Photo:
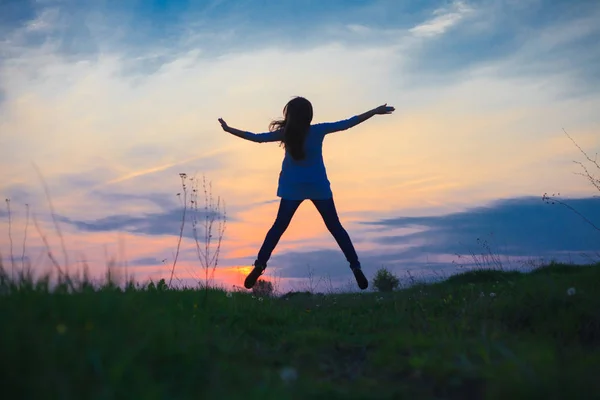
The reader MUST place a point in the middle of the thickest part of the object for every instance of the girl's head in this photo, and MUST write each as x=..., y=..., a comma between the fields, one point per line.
x=298, y=115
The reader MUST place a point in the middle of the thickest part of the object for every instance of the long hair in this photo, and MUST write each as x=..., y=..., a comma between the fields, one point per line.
x=298, y=114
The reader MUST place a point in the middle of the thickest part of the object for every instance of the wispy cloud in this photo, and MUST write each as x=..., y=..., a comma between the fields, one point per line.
x=161, y=223
x=360, y=29
x=443, y=20
x=163, y=167
x=45, y=21
x=145, y=262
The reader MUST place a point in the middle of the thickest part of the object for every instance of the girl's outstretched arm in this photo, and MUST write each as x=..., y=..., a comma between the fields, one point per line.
x=381, y=110
x=274, y=136
x=357, y=119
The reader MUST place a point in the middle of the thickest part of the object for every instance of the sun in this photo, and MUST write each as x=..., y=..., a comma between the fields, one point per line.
x=245, y=270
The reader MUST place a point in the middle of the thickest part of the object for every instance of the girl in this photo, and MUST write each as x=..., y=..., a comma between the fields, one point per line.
x=303, y=176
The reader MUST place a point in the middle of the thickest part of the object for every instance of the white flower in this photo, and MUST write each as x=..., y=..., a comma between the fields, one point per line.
x=229, y=294
x=260, y=299
x=492, y=294
x=288, y=374
x=571, y=291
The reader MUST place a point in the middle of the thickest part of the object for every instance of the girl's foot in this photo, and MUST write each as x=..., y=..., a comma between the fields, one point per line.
x=253, y=276
x=362, y=281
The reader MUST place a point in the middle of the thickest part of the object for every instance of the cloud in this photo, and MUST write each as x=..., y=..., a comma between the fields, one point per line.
x=359, y=29
x=518, y=41
x=332, y=263
x=19, y=194
x=45, y=21
x=444, y=19
x=209, y=161
x=145, y=261
x=520, y=226
x=167, y=222
x=14, y=14
x=151, y=224
x=515, y=232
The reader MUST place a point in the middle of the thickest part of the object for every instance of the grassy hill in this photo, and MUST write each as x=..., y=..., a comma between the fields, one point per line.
x=481, y=334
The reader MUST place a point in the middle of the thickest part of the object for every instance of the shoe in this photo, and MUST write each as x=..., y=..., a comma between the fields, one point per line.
x=362, y=281
x=253, y=276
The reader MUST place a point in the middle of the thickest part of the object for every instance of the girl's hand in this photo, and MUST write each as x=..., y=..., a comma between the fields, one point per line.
x=384, y=109
x=223, y=124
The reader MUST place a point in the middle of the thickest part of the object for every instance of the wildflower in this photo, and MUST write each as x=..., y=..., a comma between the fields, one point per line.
x=288, y=374
x=492, y=294
x=61, y=329
x=229, y=294
x=571, y=291
x=260, y=299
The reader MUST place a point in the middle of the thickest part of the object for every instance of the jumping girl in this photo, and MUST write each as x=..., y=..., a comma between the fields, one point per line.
x=303, y=176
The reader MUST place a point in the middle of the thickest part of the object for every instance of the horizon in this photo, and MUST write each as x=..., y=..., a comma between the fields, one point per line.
x=113, y=103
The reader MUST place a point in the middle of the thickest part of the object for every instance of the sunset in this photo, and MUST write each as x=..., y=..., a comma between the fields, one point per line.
x=456, y=136
x=112, y=103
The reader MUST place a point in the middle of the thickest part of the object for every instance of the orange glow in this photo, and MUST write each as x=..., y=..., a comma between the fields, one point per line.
x=241, y=270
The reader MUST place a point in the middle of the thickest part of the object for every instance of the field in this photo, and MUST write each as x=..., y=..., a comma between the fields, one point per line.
x=483, y=334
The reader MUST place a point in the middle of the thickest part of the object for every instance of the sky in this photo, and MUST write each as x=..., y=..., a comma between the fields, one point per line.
x=106, y=103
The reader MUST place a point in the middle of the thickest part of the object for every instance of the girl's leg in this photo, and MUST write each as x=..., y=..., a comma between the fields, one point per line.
x=327, y=210
x=286, y=211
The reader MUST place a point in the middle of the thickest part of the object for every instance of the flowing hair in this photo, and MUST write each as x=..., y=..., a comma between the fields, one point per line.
x=298, y=114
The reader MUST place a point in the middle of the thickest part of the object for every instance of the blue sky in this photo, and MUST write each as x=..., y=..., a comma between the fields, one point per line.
x=113, y=99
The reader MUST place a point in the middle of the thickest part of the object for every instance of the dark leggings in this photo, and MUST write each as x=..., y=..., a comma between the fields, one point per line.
x=326, y=208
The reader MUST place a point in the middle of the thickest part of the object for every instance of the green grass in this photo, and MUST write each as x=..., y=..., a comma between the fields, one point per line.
x=445, y=341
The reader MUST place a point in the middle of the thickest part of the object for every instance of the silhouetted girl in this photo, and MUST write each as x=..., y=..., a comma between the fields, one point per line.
x=303, y=176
